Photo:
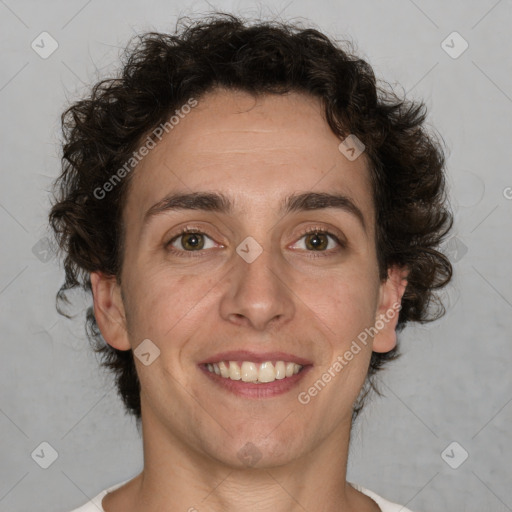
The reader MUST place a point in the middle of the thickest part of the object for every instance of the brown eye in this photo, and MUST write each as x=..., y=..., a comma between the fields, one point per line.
x=192, y=241
x=317, y=241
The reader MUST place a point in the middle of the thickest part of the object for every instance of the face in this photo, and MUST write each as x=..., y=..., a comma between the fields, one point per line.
x=267, y=267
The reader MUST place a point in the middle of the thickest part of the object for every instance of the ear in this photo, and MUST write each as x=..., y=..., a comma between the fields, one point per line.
x=391, y=292
x=109, y=310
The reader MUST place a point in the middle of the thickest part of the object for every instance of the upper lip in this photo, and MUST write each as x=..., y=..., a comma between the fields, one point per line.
x=255, y=357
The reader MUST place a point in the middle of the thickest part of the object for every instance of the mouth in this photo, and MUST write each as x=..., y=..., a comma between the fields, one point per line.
x=260, y=373
x=255, y=375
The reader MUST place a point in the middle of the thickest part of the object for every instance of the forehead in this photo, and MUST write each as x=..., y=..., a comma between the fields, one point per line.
x=257, y=150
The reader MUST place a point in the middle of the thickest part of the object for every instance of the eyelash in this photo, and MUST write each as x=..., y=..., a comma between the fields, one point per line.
x=308, y=231
x=322, y=231
x=178, y=252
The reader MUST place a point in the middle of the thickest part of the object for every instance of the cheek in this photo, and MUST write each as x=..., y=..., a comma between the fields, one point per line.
x=164, y=304
x=344, y=304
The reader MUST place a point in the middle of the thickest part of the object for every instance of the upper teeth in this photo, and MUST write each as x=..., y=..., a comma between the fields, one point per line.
x=254, y=372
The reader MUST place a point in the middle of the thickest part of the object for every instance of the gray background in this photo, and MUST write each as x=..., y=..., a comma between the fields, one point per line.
x=453, y=382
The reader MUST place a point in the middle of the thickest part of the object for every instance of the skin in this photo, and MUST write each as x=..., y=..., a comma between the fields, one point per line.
x=256, y=151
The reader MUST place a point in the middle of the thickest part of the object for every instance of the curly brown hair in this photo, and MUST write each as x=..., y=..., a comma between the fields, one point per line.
x=161, y=71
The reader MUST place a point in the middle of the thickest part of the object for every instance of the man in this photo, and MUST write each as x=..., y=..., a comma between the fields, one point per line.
x=256, y=219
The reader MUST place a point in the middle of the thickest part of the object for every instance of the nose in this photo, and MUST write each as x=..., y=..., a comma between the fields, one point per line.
x=257, y=294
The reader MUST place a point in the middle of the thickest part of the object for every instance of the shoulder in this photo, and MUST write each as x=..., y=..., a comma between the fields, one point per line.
x=94, y=505
x=385, y=505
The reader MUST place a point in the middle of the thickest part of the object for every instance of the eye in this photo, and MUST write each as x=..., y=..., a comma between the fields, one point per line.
x=190, y=240
x=319, y=240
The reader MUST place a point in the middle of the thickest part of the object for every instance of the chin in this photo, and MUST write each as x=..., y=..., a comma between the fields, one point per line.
x=259, y=451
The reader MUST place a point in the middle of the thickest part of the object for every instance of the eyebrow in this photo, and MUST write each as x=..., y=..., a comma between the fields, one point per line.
x=219, y=203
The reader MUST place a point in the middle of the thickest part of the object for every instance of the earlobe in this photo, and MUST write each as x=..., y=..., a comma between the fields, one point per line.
x=109, y=310
x=391, y=293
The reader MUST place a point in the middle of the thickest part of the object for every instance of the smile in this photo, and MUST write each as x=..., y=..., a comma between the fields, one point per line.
x=259, y=373
x=256, y=381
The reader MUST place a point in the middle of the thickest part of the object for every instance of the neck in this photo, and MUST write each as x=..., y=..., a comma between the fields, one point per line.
x=177, y=476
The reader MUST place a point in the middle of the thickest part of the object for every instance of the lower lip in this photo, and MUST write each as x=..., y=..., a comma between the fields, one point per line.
x=258, y=391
